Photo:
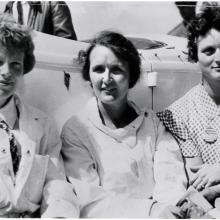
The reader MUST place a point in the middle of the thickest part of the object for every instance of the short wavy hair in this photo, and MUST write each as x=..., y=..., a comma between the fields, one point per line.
x=17, y=37
x=206, y=20
x=122, y=48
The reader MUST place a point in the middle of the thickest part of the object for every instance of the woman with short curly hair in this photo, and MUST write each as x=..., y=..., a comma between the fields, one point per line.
x=14, y=36
x=194, y=119
x=32, y=178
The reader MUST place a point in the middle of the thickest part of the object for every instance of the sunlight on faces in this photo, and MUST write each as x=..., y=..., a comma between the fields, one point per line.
x=209, y=56
x=11, y=71
x=109, y=76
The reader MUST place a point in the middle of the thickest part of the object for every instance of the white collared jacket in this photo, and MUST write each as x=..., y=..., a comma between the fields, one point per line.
x=121, y=172
x=40, y=182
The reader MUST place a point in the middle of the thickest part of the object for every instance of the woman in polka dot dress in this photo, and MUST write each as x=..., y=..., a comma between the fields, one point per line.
x=194, y=119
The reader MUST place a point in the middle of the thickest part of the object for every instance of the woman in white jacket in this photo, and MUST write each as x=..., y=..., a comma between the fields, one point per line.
x=117, y=156
x=32, y=178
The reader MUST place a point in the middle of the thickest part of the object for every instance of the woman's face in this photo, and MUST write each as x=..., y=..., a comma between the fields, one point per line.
x=209, y=56
x=109, y=75
x=11, y=70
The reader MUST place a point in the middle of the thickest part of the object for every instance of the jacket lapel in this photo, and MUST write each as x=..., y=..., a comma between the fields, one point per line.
x=29, y=136
x=27, y=152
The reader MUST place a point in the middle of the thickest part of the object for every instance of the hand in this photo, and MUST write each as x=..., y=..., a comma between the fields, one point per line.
x=159, y=210
x=191, y=210
x=211, y=193
x=206, y=175
x=5, y=197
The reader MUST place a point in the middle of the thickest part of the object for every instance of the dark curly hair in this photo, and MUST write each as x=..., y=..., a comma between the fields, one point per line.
x=209, y=18
x=122, y=48
x=17, y=37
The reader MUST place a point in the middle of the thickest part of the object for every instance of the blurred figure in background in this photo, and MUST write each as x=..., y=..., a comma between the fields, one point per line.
x=49, y=17
x=187, y=12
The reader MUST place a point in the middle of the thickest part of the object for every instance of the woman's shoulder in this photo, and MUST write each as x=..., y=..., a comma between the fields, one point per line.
x=182, y=107
x=30, y=112
x=148, y=113
x=175, y=117
x=80, y=119
x=184, y=103
x=150, y=117
x=76, y=120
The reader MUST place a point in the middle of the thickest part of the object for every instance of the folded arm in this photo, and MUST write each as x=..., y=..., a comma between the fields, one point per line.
x=59, y=199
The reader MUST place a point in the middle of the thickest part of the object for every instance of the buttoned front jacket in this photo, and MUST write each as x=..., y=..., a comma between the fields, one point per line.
x=40, y=183
x=194, y=120
x=49, y=17
x=121, y=172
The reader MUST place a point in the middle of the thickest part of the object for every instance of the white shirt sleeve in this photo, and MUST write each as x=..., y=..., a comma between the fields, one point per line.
x=169, y=169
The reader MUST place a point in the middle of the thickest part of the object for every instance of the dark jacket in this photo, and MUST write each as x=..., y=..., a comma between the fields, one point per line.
x=52, y=17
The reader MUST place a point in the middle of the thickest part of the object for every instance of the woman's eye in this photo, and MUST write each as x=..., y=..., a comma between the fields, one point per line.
x=209, y=51
x=117, y=70
x=15, y=66
x=98, y=69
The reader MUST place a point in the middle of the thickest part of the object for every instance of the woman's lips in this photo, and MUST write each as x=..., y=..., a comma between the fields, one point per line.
x=108, y=89
x=4, y=82
x=216, y=68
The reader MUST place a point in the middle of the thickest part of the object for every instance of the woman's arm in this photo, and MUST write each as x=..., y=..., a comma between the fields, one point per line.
x=58, y=198
x=169, y=169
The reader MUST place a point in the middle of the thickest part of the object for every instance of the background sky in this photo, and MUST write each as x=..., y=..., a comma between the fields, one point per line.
x=130, y=17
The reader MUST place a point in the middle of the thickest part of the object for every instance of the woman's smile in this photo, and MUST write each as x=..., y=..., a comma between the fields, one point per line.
x=216, y=68
x=108, y=89
x=3, y=82
x=6, y=83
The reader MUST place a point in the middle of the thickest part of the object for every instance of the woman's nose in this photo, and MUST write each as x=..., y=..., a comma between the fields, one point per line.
x=106, y=76
x=4, y=70
x=217, y=56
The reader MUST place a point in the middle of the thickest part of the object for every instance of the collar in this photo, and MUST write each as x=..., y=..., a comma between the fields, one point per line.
x=204, y=103
x=127, y=133
x=92, y=109
x=9, y=113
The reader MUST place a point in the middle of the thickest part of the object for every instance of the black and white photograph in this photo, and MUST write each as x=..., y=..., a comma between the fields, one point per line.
x=110, y=109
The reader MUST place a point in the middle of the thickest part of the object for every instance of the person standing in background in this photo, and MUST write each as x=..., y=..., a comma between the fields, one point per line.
x=49, y=17
x=187, y=12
